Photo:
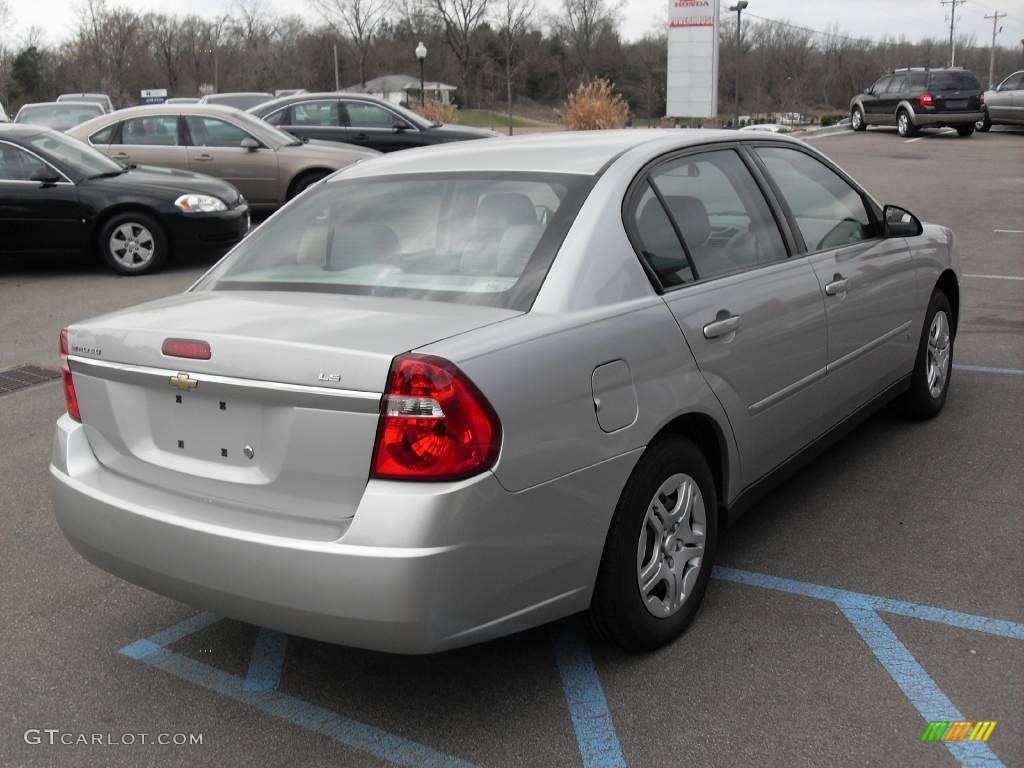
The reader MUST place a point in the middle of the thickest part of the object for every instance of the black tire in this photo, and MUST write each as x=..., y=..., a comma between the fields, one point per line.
x=151, y=246
x=905, y=124
x=985, y=124
x=919, y=401
x=618, y=610
x=862, y=124
x=965, y=130
x=304, y=182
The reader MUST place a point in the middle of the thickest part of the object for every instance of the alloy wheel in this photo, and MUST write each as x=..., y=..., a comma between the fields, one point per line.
x=938, y=354
x=671, y=546
x=132, y=245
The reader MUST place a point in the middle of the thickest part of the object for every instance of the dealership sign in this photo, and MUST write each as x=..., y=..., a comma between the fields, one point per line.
x=692, y=58
x=153, y=96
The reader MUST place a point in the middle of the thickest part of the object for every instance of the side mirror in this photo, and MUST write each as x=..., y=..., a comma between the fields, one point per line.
x=401, y=127
x=250, y=144
x=900, y=222
x=46, y=176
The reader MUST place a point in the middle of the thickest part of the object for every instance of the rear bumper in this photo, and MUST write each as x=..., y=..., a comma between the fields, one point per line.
x=946, y=118
x=417, y=570
x=199, y=233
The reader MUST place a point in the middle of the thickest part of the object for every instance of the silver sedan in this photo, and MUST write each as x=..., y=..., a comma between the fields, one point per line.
x=456, y=392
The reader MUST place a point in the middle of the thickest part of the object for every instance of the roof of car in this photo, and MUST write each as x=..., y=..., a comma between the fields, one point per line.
x=20, y=130
x=296, y=97
x=155, y=109
x=583, y=152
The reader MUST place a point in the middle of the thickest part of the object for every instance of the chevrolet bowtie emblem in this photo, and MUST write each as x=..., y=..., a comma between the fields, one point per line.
x=183, y=382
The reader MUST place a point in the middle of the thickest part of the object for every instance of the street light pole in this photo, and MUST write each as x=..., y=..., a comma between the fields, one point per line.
x=739, y=8
x=421, y=54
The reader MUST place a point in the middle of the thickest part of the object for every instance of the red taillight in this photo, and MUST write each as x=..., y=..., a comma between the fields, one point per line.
x=191, y=348
x=70, y=398
x=434, y=423
x=981, y=100
x=926, y=100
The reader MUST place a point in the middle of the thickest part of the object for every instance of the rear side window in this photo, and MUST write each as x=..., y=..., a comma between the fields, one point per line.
x=315, y=113
x=721, y=214
x=659, y=243
x=828, y=211
x=157, y=130
x=954, y=81
x=464, y=238
x=897, y=85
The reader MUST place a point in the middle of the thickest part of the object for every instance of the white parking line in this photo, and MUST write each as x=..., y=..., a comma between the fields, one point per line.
x=996, y=277
x=911, y=141
x=1009, y=231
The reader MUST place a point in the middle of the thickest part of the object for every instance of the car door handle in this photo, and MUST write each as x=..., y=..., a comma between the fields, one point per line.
x=837, y=287
x=723, y=326
x=204, y=157
x=122, y=156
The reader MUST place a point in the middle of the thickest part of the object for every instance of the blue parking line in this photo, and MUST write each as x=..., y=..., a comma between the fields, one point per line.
x=365, y=738
x=267, y=661
x=999, y=627
x=916, y=684
x=588, y=708
x=985, y=369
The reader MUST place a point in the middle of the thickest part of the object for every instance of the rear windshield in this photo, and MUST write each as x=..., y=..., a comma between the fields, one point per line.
x=466, y=238
x=954, y=81
x=60, y=117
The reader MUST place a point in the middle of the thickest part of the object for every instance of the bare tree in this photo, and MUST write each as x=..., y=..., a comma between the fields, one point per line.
x=514, y=19
x=461, y=19
x=360, y=20
x=6, y=22
x=581, y=24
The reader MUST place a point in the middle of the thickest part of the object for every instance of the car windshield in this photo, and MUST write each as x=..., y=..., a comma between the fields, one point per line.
x=74, y=155
x=60, y=117
x=262, y=127
x=469, y=238
x=954, y=81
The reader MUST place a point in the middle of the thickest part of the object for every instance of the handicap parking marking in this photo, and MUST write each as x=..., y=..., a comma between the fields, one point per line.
x=588, y=708
x=267, y=661
x=986, y=369
x=862, y=611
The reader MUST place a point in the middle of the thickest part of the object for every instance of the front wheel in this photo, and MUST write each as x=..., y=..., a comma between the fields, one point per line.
x=929, y=383
x=965, y=130
x=905, y=125
x=660, y=548
x=857, y=120
x=133, y=243
x=304, y=182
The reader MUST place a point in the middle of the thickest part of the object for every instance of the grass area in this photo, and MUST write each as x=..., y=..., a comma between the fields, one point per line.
x=485, y=118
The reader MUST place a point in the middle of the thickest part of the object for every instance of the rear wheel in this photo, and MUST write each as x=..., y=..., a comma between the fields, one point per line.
x=133, y=243
x=304, y=182
x=985, y=124
x=965, y=130
x=857, y=120
x=660, y=548
x=929, y=383
x=905, y=125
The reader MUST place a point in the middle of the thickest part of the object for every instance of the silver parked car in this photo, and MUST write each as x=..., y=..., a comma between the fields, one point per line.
x=456, y=392
x=61, y=116
x=91, y=98
x=1004, y=104
x=267, y=165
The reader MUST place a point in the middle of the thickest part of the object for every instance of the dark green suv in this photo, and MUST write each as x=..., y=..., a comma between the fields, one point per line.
x=915, y=98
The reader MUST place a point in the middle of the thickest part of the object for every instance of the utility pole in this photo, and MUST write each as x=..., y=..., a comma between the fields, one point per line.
x=337, y=86
x=952, y=26
x=992, y=55
x=739, y=8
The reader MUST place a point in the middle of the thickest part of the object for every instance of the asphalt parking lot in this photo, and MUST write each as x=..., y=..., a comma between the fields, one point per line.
x=881, y=587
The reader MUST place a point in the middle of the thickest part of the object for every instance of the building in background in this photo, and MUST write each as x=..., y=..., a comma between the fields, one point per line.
x=404, y=88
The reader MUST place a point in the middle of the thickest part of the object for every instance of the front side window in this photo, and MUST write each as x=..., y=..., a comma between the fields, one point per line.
x=214, y=132
x=104, y=135
x=720, y=212
x=315, y=113
x=278, y=118
x=1012, y=83
x=18, y=165
x=153, y=131
x=464, y=238
x=362, y=114
x=829, y=212
x=881, y=85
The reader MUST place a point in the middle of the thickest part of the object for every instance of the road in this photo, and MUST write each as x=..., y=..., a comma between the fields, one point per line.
x=776, y=670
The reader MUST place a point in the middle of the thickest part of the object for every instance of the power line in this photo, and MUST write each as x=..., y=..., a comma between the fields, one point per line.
x=816, y=31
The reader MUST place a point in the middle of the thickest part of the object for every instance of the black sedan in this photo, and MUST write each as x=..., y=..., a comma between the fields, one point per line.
x=58, y=195
x=362, y=120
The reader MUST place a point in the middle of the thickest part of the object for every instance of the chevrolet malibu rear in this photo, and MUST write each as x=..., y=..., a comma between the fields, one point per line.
x=451, y=393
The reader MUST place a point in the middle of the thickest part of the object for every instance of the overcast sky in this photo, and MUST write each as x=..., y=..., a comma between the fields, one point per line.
x=858, y=18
